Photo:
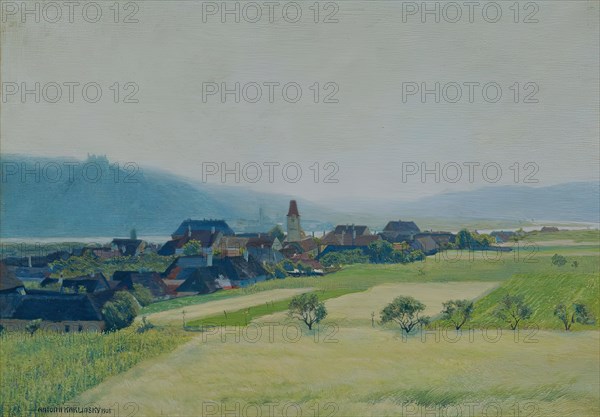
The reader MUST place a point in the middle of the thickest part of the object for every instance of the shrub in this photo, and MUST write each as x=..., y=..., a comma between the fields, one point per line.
x=120, y=311
x=33, y=326
x=142, y=294
x=558, y=260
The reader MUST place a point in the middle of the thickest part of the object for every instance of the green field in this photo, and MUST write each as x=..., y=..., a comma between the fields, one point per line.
x=543, y=292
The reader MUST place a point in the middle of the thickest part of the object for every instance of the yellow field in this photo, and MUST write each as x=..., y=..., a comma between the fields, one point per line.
x=215, y=307
x=349, y=368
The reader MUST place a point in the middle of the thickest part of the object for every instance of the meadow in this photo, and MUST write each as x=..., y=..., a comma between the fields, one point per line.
x=49, y=368
x=349, y=365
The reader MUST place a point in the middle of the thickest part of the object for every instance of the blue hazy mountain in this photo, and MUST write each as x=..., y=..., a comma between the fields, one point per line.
x=575, y=201
x=68, y=197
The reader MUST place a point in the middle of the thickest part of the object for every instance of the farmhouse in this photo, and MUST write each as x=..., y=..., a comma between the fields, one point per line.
x=9, y=283
x=87, y=283
x=210, y=225
x=208, y=239
x=150, y=280
x=399, y=231
x=128, y=247
x=58, y=312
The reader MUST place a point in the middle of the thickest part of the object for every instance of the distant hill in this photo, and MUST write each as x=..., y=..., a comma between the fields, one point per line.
x=576, y=201
x=156, y=203
x=153, y=202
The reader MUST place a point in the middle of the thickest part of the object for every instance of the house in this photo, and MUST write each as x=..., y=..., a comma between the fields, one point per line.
x=150, y=280
x=185, y=262
x=58, y=311
x=128, y=247
x=399, y=231
x=425, y=243
x=210, y=225
x=91, y=283
x=9, y=283
x=307, y=245
x=349, y=235
x=307, y=260
x=208, y=239
x=32, y=273
x=503, y=236
x=223, y=273
x=232, y=245
x=265, y=255
x=264, y=240
x=103, y=252
x=443, y=239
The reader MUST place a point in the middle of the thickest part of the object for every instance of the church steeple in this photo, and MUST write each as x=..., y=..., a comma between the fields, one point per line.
x=294, y=232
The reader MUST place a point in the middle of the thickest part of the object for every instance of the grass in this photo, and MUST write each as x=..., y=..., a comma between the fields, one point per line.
x=574, y=235
x=52, y=368
x=542, y=292
x=368, y=370
x=244, y=316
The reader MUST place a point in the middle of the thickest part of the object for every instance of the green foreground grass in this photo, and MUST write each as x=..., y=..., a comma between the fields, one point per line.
x=51, y=368
x=542, y=292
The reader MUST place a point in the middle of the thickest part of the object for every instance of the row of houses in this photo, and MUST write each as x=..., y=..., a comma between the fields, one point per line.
x=225, y=260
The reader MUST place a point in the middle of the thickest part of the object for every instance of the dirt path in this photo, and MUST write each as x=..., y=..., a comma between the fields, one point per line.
x=215, y=307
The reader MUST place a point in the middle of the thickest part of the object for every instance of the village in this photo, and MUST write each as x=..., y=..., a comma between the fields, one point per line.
x=207, y=256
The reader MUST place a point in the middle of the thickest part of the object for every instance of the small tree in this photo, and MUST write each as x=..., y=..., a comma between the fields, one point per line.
x=512, y=309
x=576, y=313
x=405, y=311
x=558, y=260
x=574, y=264
x=457, y=312
x=277, y=231
x=120, y=311
x=193, y=247
x=307, y=308
x=142, y=294
x=33, y=326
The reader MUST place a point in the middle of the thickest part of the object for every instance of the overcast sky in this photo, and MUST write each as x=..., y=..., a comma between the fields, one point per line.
x=370, y=55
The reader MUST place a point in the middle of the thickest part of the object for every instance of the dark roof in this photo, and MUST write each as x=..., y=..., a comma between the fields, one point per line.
x=8, y=280
x=201, y=280
x=237, y=268
x=205, y=237
x=98, y=282
x=183, y=262
x=263, y=240
x=32, y=273
x=127, y=247
x=400, y=226
x=348, y=239
x=267, y=255
x=350, y=229
x=207, y=225
x=293, y=210
x=8, y=304
x=426, y=244
x=150, y=280
x=54, y=306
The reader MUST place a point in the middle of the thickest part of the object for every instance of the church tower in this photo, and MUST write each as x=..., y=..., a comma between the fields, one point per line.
x=294, y=232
